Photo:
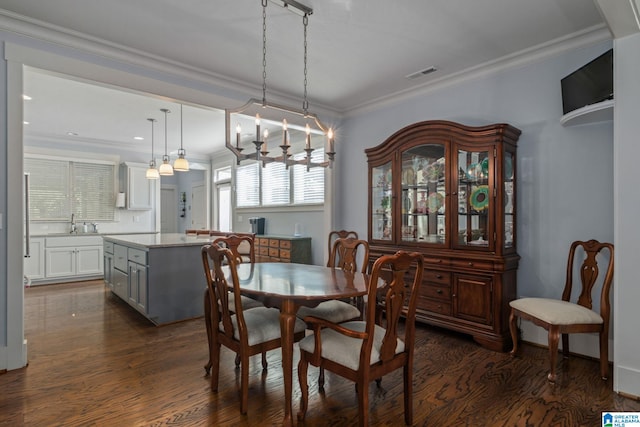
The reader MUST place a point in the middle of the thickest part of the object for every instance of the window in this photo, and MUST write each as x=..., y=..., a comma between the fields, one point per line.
x=274, y=184
x=308, y=186
x=248, y=185
x=59, y=188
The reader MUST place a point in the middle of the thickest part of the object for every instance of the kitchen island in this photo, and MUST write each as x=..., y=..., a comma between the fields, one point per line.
x=160, y=275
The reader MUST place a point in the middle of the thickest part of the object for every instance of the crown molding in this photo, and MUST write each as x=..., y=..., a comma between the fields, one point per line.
x=60, y=36
x=589, y=36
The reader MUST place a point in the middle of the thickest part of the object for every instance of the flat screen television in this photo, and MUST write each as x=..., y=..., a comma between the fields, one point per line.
x=589, y=84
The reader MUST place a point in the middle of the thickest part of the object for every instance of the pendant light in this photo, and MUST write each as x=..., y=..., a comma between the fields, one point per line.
x=181, y=164
x=165, y=168
x=152, y=172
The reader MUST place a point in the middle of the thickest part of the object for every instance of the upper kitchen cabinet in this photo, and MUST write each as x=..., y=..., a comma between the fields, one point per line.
x=448, y=191
x=138, y=189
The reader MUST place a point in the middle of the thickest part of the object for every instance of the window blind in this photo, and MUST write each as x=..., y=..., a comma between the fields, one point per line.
x=92, y=191
x=308, y=187
x=248, y=185
x=59, y=188
x=48, y=189
x=275, y=184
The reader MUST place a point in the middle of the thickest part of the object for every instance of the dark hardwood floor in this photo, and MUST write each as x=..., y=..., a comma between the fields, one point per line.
x=94, y=361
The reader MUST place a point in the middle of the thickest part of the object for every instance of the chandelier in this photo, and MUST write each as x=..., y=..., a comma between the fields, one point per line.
x=278, y=127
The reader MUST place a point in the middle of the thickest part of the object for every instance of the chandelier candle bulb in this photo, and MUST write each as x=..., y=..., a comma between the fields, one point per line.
x=308, y=130
x=238, y=130
x=285, y=139
x=330, y=136
x=265, y=136
x=257, y=127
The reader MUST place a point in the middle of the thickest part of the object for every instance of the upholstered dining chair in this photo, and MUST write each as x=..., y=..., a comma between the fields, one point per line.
x=343, y=255
x=563, y=317
x=234, y=243
x=246, y=332
x=363, y=351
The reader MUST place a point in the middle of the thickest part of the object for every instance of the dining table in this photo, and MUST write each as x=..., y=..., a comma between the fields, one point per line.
x=288, y=286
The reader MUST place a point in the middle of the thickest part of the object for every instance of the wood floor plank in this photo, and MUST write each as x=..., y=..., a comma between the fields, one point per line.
x=94, y=361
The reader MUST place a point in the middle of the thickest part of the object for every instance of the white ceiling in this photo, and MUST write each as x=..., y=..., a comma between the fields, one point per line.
x=360, y=52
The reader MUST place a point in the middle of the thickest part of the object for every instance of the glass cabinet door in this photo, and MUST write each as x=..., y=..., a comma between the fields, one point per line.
x=423, y=194
x=474, y=196
x=381, y=212
x=509, y=200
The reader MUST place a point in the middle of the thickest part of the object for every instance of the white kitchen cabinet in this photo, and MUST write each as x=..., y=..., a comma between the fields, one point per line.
x=34, y=264
x=138, y=189
x=71, y=257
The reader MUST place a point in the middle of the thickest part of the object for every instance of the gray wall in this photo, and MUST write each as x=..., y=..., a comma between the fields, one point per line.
x=565, y=174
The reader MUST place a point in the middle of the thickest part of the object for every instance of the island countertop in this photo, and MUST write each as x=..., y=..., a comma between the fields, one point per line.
x=160, y=240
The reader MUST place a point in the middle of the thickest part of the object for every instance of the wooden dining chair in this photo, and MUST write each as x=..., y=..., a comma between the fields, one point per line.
x=235, y=244
x=338, y=234
x=363, y=351
x=563, y=317
x=246, y=332
x=343, y=255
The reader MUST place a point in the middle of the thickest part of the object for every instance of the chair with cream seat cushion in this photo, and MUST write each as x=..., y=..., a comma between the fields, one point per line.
x=363, y=351
x=243, y=249
x=246, y=332
x=563, y=317
x=343, y=255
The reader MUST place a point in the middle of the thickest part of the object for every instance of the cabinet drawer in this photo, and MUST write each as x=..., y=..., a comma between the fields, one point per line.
x=120, y=255
x=138, y=256
x=286, y=254
x=436, y=261
x=263, y=250
x=437, y=292
x=285, y=244
x=439, y=307
x=274, y=252
x=476, y=265
x=436, y=277
x=274, y=243
x=263, y=241
x=108, y=247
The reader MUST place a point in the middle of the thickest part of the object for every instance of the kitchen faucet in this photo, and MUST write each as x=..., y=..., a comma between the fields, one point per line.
x=73, y=225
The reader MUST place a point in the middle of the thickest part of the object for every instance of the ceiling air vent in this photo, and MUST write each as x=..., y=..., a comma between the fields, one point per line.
x=421, y=73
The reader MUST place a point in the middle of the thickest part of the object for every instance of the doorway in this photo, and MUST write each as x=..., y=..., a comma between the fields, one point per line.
x=223, y=197
x=168, y=209
x=199, y=206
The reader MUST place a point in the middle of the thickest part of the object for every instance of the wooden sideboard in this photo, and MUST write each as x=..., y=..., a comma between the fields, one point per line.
x=283, y=249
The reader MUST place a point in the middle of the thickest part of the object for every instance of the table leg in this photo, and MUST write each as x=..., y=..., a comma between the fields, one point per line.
x=287, y=324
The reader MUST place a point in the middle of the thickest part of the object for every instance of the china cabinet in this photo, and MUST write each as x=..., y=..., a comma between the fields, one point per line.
x=449, y=191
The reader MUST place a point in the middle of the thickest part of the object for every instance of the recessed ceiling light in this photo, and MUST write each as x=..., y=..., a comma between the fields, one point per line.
x=138, y=138
x=421, y=73
x=25, y=122
x=26, y=97
x=72, y=134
